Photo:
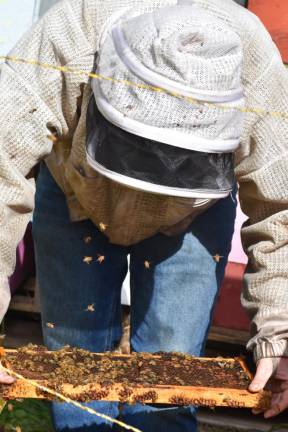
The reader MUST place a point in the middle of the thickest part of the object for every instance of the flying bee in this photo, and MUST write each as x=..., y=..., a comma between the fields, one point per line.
x=103, y=226
x=87, y=259
x=217, y=258
x=50, y=325
x=87, y=239
x=100, y=259
x=90, y=308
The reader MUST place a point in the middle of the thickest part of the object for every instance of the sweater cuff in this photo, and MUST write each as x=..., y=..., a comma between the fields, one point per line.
x=5, y=296
x=270, y=349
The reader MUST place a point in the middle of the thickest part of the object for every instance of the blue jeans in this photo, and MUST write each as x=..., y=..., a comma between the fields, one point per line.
x=171, y=302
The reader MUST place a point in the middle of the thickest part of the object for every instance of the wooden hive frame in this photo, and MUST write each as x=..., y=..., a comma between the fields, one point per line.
x=160, y=394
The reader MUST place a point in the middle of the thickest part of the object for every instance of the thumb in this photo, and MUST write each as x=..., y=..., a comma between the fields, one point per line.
x=263, y=373
x=5, y=379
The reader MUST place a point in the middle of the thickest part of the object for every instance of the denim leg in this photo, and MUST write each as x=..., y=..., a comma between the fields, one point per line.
x=68, y=285
x=173, y=299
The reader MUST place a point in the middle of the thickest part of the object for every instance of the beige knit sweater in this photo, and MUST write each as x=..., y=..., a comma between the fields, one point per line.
x=35, y=101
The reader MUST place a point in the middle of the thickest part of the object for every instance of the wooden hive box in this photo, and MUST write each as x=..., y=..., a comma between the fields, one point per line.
x=164, y=378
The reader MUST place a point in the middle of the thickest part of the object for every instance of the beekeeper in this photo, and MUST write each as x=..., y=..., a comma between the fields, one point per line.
x=141, y=159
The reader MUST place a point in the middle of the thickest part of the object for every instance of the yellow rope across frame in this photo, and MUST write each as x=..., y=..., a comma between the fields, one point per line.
x=68, y=400
x=68, y=70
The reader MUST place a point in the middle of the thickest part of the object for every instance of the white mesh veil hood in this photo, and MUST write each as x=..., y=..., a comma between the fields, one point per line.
x=186, y=52
x=186, y=46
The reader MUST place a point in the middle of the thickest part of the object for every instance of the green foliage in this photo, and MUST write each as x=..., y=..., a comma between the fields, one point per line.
x=29, y=415
x=34, y=416
x=2, y=406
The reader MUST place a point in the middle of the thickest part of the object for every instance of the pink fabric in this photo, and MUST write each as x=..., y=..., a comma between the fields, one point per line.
x=25, y=266
x=237, y=254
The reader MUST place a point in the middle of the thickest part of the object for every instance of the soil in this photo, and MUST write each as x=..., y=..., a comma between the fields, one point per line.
x=79, y=367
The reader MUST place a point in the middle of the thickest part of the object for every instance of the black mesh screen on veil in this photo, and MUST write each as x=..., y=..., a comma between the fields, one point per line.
x=153, y=162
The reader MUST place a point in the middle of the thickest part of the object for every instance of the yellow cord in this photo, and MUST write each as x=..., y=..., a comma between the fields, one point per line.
x=68, y=400
x=68, y=70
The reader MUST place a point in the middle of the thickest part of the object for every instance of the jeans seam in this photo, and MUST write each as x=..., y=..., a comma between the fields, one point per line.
x=109, y=332
x=132, y=288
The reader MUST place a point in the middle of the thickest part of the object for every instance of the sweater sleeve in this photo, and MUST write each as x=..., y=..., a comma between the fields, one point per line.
x=33, y=102
x=262, y=175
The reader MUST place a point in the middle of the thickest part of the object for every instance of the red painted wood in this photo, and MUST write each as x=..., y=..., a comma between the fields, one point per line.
x=274, y=15
x=229, y=312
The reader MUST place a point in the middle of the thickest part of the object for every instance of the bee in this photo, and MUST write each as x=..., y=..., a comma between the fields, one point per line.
x=90, y=308
x=87, y=239
x=103, y=226
x=50, y=325
x=87, y=259
x=217, y=258
x=100, y=259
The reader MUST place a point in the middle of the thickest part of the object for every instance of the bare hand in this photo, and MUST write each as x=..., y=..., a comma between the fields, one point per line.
x=5, y=379
x=274, y=370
